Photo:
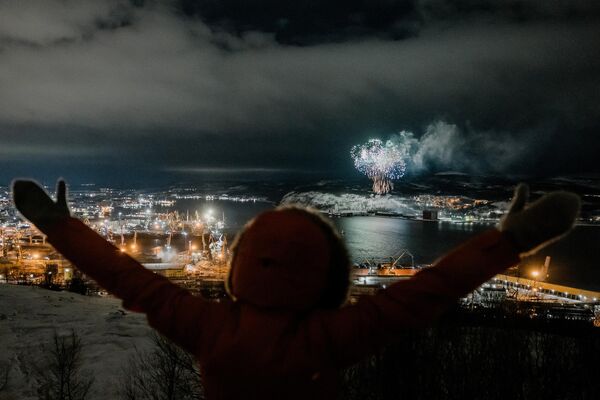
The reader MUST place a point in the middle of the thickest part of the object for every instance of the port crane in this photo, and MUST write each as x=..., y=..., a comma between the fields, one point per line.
x=402, y=259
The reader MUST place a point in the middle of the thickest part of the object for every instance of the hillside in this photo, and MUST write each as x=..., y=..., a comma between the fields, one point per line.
x=29, y=317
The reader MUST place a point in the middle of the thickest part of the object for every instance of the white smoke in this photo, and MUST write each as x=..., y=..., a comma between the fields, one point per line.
x=445, y=146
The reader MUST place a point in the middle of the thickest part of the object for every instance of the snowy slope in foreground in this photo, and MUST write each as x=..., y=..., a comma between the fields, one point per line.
x=29, y=316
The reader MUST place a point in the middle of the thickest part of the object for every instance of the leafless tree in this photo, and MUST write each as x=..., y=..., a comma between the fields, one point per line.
x=4, y=371
x=501, y=361
x=59, y=374
x=164, y=373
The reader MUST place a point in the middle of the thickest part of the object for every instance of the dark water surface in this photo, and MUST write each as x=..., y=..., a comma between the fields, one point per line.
x=574, y=259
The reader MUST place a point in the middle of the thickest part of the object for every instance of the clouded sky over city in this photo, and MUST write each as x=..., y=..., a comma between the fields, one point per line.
x=114, y=89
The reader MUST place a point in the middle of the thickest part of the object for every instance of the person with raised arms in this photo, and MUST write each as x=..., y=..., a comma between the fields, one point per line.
x=286, y=331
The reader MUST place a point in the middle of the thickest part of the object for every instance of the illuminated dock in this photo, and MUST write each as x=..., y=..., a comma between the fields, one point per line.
x=545, y=290
x=367, y=282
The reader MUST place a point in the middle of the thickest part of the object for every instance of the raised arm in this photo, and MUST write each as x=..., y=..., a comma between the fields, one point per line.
x=171, y=310
x=357, y=330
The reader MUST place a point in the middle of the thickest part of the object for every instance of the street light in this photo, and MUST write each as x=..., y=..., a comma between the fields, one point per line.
x=535, y=273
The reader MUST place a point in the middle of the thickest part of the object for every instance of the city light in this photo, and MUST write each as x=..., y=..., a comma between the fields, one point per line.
x=535, y=273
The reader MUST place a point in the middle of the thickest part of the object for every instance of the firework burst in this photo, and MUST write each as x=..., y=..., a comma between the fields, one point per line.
x=381, y=161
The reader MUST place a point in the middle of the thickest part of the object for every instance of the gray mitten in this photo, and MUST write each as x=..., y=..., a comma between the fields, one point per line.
x=37, y=206
x=542, y=222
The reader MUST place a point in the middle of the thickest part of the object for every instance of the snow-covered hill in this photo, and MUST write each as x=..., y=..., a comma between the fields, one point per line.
x=350, y=202
x=29, y=317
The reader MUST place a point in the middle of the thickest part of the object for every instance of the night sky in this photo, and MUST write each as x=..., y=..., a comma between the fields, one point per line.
x=131, y=91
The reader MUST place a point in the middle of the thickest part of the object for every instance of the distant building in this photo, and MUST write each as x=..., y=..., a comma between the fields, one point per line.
x=168, y=270
x=430, y=215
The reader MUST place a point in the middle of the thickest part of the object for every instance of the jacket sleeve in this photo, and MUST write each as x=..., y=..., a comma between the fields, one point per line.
x=353, y=332
x=171, y=310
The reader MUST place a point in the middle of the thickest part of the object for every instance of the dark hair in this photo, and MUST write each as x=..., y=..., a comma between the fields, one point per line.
x=338, y=277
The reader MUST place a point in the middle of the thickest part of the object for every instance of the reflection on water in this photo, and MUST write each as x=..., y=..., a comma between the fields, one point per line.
x=575, y=259
x=382, y=236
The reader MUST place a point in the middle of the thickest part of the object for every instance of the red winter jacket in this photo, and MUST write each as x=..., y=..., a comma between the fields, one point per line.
x=251, y=352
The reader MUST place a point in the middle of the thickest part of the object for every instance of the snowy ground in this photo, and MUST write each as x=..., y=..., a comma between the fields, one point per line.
x=30, y=315
x=346, y=202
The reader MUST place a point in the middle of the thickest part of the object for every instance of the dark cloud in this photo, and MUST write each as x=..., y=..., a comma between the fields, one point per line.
x=210, y=84
x=38, y=23
x=511, y=10
x=306, y=22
